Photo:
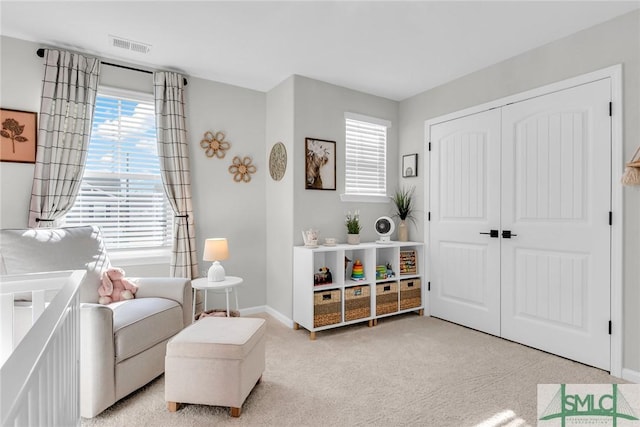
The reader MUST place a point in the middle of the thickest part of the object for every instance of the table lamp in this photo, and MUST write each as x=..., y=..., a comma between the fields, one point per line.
x=216, y=250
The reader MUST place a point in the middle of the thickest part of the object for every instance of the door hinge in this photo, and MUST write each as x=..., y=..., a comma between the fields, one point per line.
x=429, y=145
x=428, y=216
x=610, y=218
x=610, y=109
x=429, y=286
x=609, y=327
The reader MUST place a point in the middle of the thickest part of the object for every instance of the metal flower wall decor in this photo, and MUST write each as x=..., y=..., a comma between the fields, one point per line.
x=242, y=169
x=214, y=144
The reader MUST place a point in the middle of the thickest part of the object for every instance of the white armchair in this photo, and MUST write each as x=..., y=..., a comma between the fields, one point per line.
x=122, y=344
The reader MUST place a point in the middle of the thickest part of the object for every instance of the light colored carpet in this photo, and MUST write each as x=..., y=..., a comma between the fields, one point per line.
x=406, y=371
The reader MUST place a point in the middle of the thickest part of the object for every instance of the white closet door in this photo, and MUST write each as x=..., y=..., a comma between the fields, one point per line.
x=464, y=202
x=556, y=174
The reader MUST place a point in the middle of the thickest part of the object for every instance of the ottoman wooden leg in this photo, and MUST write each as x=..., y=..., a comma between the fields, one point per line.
x=173, y=406
x=235, y=412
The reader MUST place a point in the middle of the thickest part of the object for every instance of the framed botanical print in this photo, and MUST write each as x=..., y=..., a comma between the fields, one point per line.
x=18, y=136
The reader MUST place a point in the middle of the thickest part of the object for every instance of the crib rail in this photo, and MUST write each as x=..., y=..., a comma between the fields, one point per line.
x=40, y=379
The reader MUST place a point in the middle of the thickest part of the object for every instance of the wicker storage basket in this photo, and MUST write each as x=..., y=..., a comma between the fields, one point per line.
x=357, y=302
x=327, y=308
x=386, y=298
x=410, y=294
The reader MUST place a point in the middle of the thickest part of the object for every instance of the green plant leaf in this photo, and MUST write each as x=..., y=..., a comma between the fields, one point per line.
x=403, y=202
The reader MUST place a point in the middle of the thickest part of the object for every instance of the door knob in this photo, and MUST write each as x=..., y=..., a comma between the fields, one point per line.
x=491, y=233
x=506, y=234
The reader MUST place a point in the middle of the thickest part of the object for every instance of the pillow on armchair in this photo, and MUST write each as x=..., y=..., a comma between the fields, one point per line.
x=24, y=251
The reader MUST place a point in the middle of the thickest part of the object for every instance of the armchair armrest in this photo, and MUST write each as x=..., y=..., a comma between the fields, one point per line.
x=97, y=359
x=174, y=288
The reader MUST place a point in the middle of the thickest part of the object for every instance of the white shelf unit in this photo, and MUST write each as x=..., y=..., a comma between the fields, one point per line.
x=331, y=305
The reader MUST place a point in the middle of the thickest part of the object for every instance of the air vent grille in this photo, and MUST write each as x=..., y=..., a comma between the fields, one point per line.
x=131, y=45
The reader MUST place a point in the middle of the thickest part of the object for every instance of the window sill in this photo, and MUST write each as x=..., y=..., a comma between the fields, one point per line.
x=364, y=199
x=130, y=257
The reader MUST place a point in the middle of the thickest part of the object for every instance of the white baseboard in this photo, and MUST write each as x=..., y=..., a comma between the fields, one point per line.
x=253, y=310
x=280, y=317
x=629, y=375
x=270, y=311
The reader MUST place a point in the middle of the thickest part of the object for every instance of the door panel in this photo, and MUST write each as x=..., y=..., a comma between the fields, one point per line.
x=464, y=201
x=541, y=170
x=556, y=174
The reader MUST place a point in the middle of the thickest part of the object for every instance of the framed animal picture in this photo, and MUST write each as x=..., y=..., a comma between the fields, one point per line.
x=320, y=162
x=18, y=136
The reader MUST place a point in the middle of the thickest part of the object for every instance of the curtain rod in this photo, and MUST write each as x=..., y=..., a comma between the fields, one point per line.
x=40, y=53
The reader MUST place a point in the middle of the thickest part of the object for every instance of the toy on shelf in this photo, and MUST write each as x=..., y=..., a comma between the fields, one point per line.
x=357, y=272
x=390, y=272
x=408, y=262
x=384, y=272
x=323, y=277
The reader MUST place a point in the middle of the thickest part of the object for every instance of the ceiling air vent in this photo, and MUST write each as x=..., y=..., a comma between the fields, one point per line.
x=131, y=45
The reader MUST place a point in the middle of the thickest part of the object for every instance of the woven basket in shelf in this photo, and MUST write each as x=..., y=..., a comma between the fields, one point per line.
x=357, y=302
x=386, y=298
x=327, y=308
x=410, y=294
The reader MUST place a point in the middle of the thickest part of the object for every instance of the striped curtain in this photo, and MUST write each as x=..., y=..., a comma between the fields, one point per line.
x=173, y=152
x=66, y=112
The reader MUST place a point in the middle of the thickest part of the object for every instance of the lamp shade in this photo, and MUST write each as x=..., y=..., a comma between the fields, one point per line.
x=215, y=249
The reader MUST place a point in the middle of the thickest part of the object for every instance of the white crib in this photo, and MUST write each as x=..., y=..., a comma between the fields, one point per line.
x=40, y=373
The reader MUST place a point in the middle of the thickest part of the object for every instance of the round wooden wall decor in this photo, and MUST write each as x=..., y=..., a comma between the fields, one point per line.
x=278, y=161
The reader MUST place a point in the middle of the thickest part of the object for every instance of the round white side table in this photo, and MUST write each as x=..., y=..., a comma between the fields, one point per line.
x=227, y=285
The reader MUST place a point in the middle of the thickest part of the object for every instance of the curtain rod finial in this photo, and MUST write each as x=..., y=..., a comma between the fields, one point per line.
x=40, y=53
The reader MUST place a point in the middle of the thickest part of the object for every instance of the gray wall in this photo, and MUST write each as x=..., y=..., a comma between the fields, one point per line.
x=223, y=207
x=20, y=86
x=279, y=212
x=298, y=108
x=319, y=113
x=614, y=42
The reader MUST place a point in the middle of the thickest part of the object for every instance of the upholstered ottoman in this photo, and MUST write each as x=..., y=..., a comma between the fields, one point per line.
x=215, y=361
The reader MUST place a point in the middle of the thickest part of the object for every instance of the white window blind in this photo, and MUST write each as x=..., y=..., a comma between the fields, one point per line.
x=366, y=156
x=121, y=188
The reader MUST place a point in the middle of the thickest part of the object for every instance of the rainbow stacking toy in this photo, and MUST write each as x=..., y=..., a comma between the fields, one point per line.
x=357, y=273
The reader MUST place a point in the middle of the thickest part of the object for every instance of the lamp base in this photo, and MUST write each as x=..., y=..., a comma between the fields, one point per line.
x=216, y=272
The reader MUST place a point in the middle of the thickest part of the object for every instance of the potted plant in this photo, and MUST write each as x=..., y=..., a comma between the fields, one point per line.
x=352, y=222
x=403, y=202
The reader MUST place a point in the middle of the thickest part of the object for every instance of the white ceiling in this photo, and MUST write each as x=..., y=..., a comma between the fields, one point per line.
x=393, y=49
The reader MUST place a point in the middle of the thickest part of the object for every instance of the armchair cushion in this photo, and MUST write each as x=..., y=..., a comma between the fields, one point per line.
x=25, y=251
x=140, y=324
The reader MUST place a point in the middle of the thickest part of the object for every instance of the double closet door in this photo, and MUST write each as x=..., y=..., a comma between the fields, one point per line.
x=519, y=234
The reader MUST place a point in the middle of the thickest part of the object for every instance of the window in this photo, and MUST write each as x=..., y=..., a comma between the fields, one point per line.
x=121, y=188
x=365, y=157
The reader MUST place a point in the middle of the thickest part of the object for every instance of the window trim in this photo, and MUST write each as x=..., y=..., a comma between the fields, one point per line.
x=362, y=198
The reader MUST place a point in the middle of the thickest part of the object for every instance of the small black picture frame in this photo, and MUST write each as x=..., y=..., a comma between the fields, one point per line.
x=410, y=165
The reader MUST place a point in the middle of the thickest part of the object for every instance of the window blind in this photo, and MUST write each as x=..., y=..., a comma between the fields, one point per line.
x=366, y=158
x=121, y=188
